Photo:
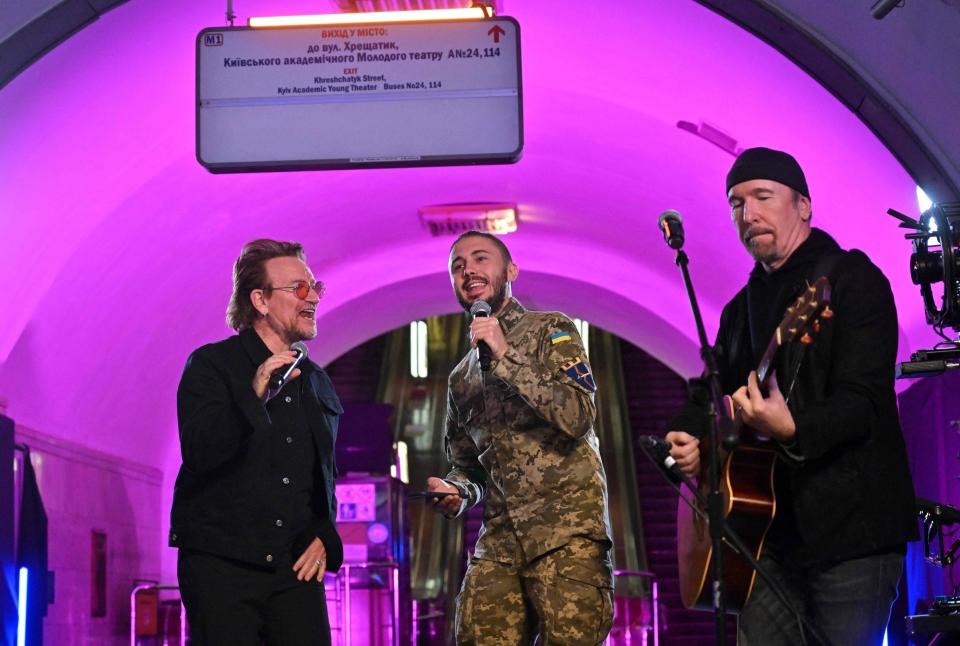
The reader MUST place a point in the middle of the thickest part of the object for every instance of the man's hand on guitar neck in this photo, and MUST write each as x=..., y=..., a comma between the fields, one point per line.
x=766, y=415
x=685, y=450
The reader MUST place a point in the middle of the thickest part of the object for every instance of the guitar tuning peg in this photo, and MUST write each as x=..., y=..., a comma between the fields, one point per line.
x=827, y=313
x=806, y=339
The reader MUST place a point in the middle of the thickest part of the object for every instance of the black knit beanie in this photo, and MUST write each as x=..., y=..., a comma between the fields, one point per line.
x=765, y=163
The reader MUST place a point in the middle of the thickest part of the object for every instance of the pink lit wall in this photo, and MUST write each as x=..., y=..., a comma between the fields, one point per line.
x=117, y=245
x=85, y=491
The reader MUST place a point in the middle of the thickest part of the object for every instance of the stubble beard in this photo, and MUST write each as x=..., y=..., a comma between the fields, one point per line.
x=763, y=253
x=293, y=333
x=499, y=285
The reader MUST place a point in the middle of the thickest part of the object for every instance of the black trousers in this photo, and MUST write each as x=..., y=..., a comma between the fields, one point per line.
x=235, y=604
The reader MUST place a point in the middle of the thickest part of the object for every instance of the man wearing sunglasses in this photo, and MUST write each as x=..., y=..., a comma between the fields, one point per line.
x=254, y=506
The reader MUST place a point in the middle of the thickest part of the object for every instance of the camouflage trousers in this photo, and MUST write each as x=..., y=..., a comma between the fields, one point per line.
x=563, y=597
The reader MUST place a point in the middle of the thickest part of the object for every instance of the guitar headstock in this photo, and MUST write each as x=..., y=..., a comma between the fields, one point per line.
x=802, y=319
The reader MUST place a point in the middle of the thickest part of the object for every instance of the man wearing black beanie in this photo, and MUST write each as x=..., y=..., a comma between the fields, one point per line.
x=844, y=495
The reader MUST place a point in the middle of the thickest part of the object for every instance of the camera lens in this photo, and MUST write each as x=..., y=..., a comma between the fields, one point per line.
x=926, y=267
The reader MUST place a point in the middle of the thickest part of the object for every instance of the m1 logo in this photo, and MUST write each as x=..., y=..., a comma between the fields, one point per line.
x=212, y=40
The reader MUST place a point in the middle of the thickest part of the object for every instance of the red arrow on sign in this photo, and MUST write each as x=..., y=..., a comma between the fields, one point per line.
x=496, y=31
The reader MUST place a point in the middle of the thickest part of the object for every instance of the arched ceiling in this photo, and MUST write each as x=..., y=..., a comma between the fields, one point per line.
x=895, y=73
x=118, y=245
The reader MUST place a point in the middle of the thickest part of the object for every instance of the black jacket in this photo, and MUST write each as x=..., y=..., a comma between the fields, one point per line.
x=226, y=493
x=843, y=488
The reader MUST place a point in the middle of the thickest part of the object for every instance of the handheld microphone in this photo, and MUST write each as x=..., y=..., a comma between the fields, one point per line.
x=482, y=308
x=282, y=374
x=659, y=450
x=671, y=225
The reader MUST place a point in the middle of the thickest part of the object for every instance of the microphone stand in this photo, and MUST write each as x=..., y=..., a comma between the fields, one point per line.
x=715, y=507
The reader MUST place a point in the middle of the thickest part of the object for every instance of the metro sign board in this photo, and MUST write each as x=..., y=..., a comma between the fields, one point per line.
x=359, y=96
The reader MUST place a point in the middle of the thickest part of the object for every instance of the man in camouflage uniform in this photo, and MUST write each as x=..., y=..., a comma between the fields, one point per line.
x=521, y=436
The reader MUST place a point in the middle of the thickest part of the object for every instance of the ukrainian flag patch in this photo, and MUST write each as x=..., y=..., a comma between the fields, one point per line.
x=559, y=337
x=580, y=373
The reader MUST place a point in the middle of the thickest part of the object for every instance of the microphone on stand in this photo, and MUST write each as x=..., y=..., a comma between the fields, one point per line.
x=671, y=225
x=282, y=374
x=659, y=451
x=482, y=308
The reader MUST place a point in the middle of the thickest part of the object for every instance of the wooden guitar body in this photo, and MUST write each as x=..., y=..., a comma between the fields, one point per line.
x=746, y=482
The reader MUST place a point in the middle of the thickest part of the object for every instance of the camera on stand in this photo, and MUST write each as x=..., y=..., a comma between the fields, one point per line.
x=935, y=268
x=935, y=259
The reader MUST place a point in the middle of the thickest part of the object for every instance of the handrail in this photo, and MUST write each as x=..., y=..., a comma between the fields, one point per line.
x=394, y=588
x=654, y=601
x=133, y=611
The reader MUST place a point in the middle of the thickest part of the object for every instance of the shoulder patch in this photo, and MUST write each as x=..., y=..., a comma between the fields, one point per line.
x=559, y=337
x=580, y=373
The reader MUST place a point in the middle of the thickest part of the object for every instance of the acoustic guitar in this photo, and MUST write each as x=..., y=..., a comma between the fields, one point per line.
x=746, y=478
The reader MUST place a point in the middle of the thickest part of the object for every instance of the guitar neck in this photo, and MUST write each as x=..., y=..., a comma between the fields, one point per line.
x=766, y=362
x=799, y=320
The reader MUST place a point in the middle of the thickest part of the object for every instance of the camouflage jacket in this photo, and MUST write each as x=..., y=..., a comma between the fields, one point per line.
x=522, y=436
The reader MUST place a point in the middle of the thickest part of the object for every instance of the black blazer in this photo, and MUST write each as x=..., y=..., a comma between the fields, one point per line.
x=225, y=494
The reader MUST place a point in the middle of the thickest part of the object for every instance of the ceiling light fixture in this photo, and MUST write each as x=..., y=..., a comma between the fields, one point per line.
x=421, y=15
x=923, y=201
x=713, y=134
x=454, y=219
